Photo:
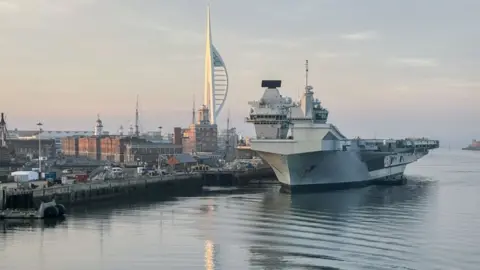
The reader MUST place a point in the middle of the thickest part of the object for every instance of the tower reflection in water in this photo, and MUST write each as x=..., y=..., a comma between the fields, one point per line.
x=209, y=255
x=209, y=246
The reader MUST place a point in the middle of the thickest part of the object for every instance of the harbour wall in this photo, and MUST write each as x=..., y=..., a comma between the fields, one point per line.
x=83, y=192
x=163, y=185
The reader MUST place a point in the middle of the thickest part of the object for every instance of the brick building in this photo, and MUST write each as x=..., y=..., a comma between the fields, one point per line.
x=121, y=149
x=70, y=146
x=89, y=147
x=200, y=136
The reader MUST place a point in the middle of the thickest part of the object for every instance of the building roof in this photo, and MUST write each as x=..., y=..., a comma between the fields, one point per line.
x=26, y=133
x=153, y=145
x=49, y=133
x=181, y=159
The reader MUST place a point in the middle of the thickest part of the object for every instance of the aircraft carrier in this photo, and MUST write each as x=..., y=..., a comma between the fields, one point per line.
x=307, y=152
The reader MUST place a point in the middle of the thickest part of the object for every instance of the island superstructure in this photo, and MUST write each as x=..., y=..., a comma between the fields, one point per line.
x=306, y=151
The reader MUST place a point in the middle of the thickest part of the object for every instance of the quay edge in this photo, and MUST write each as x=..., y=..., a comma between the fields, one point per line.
x=164, y=185
x=85, y=192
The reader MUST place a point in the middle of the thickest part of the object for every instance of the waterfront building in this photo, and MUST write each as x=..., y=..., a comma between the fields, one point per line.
x=120, y=149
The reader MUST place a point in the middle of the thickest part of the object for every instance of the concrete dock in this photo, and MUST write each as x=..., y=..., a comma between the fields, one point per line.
x=82, y=192
x=172, y=185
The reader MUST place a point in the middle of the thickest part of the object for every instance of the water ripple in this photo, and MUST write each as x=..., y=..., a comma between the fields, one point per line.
x=430, y=223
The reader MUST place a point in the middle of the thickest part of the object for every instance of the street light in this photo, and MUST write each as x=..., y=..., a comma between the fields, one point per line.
x=39, y=124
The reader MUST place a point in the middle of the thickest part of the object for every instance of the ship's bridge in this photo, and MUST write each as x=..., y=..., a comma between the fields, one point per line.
x=320, y=114
x=270, y=113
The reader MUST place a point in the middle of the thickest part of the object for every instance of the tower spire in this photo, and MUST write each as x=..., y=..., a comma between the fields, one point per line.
x=208, y=90
x=216, y=76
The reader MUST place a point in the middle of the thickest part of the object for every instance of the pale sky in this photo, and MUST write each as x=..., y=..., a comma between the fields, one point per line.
x=382, y=68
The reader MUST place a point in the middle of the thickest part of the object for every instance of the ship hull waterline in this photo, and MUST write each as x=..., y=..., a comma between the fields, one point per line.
x=337, y=170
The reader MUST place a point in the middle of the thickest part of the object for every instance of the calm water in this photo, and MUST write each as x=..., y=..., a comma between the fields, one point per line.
x=431, y=223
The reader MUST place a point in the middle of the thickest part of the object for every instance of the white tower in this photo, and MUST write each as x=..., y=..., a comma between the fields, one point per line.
x=216, y=77
x=98, y=127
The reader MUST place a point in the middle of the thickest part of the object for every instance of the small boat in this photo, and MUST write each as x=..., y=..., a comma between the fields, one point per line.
x=46, y=210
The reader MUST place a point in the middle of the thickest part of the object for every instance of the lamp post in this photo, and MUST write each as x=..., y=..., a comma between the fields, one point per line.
x=39, y=124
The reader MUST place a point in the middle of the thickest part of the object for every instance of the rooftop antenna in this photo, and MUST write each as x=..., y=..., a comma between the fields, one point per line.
x=137, y=131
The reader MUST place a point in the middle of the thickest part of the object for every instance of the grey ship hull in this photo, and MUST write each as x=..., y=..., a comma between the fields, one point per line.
x=471, y=148
x=332, y=170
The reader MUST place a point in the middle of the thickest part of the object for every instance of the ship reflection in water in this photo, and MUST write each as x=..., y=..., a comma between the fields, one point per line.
x=430, y=223
x=342, y=229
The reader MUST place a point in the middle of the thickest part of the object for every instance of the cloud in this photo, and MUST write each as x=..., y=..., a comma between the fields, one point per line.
x=155, y=26
x=274, y=42
x=64, y=7
x=365, y=35
x=186, y=57
x=402, y=88
x=42, y=7
x=327, y=55
x=416, y=62
x=332, y=55
x=465, y=85
x=6, y=6
x=252, y=54
x=173, y=35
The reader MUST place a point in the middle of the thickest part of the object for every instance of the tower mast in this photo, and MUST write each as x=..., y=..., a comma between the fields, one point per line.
x=193, y=111
x=306, y=76
x=227, y=144
x=137, y=131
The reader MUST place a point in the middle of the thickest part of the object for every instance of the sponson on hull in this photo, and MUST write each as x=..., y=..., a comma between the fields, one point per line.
x=306, y=152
